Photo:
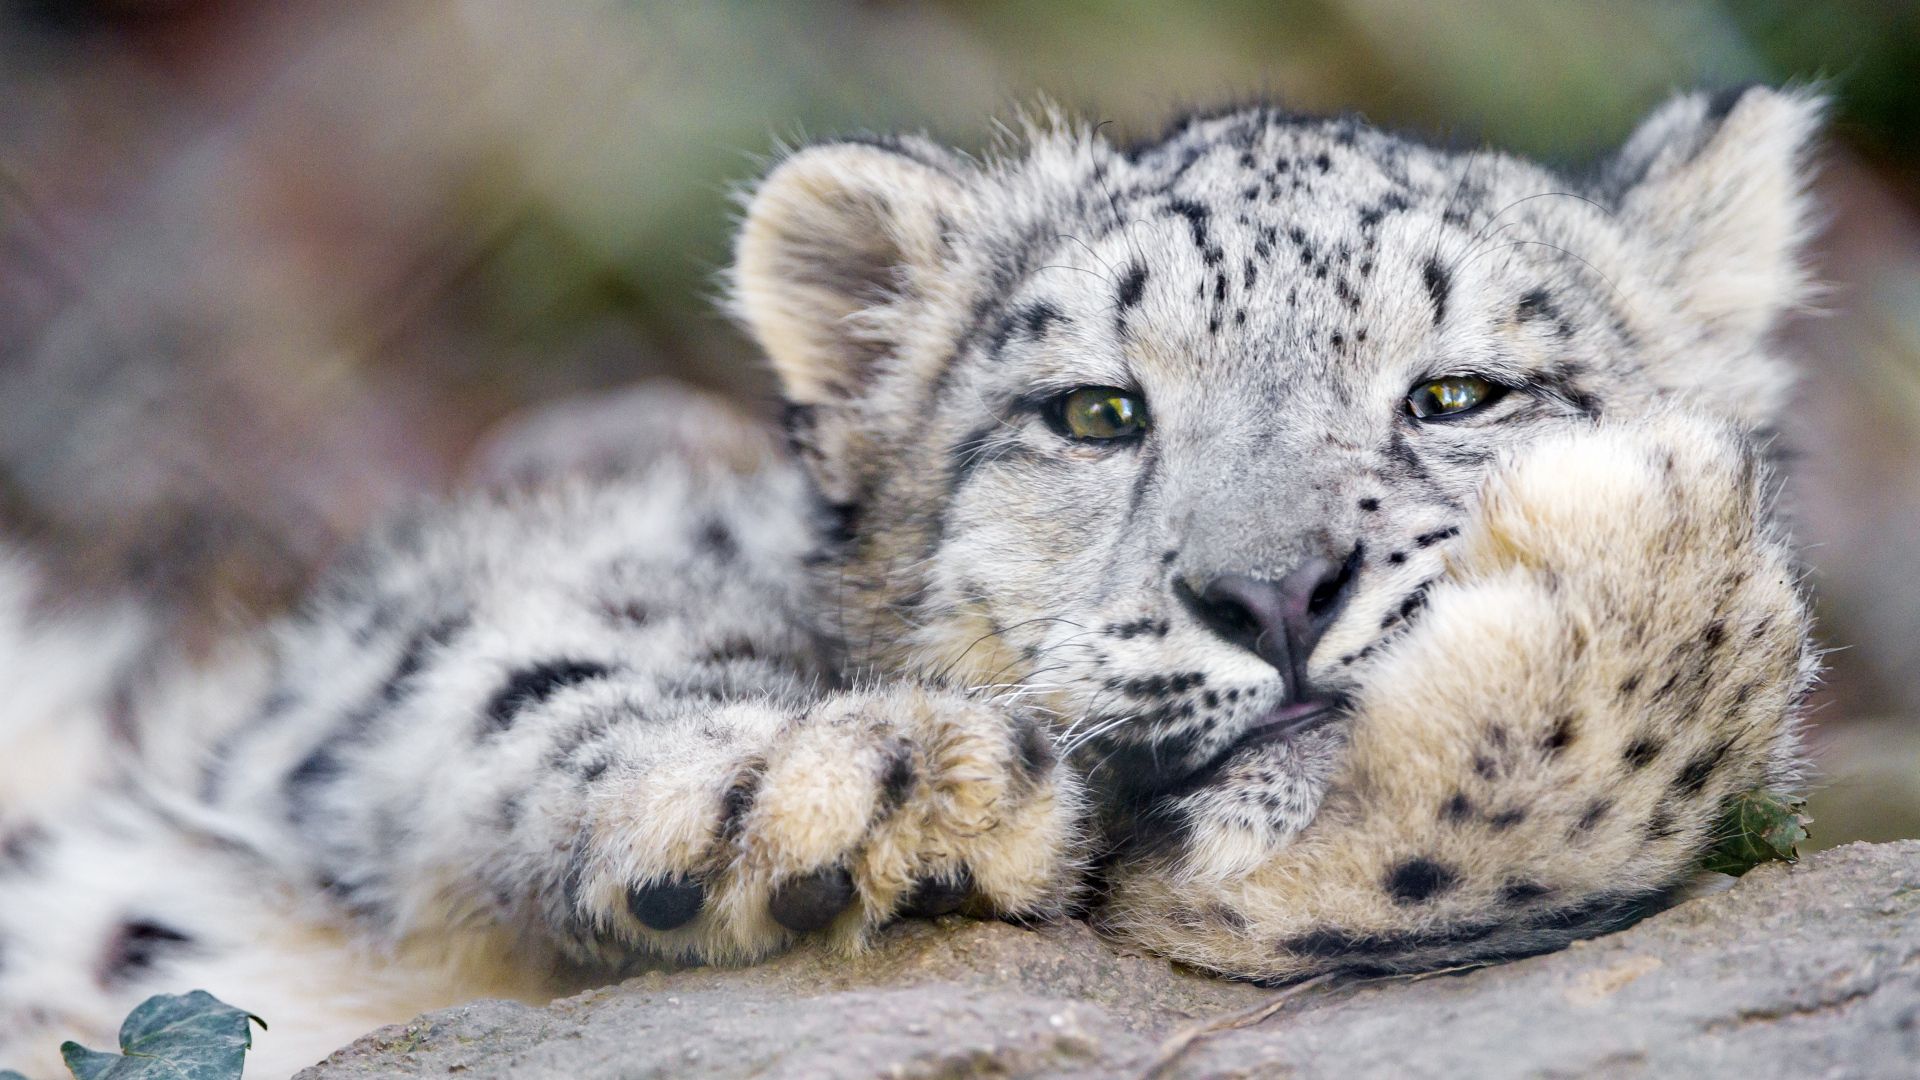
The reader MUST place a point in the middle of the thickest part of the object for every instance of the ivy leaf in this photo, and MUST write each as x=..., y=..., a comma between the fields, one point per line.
x=1760, y=826
x=171, y=1037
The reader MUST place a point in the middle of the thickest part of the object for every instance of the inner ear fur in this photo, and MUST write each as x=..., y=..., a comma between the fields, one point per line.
x=1718, y=182
x=836, y=241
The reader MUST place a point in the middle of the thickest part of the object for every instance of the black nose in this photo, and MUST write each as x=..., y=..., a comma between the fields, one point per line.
x=1280, y=621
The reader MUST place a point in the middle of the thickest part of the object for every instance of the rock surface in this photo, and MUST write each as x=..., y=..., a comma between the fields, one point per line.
x=1807, y=971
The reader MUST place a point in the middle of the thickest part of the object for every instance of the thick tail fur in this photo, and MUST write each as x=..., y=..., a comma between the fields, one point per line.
x=110, y=891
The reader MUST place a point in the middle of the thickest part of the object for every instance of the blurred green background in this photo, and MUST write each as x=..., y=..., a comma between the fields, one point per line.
x=269, y=266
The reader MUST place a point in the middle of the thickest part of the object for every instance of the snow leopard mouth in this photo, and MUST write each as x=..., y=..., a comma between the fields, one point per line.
x=1292, y=718
x=1283, y=723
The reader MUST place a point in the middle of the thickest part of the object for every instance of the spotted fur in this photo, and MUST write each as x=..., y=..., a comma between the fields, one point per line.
x=704, y=699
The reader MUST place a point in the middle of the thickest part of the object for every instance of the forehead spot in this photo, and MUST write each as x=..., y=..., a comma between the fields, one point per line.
x=1132, y=285
x=1439, y=285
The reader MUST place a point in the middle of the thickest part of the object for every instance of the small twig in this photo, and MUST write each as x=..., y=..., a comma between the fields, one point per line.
x=1423, y=976
x=1171, y=1050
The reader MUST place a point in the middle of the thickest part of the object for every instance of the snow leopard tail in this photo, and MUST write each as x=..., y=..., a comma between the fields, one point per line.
x=111, y=887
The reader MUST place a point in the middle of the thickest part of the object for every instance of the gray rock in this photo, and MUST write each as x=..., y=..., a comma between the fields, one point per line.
x=1804, y=971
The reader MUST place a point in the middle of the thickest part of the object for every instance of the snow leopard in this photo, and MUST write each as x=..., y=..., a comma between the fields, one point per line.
x=1292, y=546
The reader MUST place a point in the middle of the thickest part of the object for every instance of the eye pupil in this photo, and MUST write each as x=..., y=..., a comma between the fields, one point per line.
x=1102, y=412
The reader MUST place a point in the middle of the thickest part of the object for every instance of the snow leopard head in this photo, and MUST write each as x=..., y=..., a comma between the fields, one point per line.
x=1174, y=435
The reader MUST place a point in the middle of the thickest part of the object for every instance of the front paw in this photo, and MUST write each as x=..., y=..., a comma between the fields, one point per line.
x=862, y=808
x=1618, y=651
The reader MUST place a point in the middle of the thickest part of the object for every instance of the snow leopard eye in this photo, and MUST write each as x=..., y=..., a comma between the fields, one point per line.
x=1101, y=413
x=1451, y=396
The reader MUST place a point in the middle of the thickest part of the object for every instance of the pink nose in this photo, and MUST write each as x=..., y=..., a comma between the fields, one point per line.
x=1278, y=620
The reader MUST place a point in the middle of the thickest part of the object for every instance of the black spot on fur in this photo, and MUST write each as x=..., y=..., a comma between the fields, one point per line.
x=1695, y=774
x=626, y=612
x=1629, y=684
x=1369, y=504
x=1660, y=824
x=1037, y=317
x=1414, y=601
x=1402, y=452
x=531, y=686
x=738, y=800
x=1429, y=539
x=1158, y=686
x=1507, y=819
x=897, y=776
x=317, y=769
x=1642, y=751
x=718, y=540
x=981, y=446
x=1419, y=880
x=1559, y=384
x=1397, y=557
x=1439, y=285
x=1560, y=736
x=1715, y=633
x=21, y=847
x=1457, y=809
x=1335, y=943
x=1596, y=810
x=414, y=655
x=136, y=947
x=1516, y=893
x=732, y=650
x=1132, y=285
x=1197, y=217
x=1033, y=749
x=668, y=904
x=1536, y=304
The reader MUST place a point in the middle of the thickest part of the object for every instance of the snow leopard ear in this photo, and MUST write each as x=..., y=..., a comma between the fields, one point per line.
x=837, y=244
x=1717, y=182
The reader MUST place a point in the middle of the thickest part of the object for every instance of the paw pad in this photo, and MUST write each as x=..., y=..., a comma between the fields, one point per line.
x=938, y=896
x=812, y=901
x=666, y=905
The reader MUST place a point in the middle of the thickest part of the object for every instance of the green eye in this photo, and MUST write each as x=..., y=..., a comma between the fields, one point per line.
x=1451, y=396
x=1102, y=412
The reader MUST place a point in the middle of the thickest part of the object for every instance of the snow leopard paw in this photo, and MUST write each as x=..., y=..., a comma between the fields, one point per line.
x=762, y=825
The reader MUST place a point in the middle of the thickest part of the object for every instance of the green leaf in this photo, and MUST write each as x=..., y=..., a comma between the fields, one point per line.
x=1760, y=826
x=171, y=1037
x=9, y=1074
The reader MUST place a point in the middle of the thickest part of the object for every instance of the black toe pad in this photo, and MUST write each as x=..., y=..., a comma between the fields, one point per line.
x=811, y=901
x=666, y=905
x=938, y=896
